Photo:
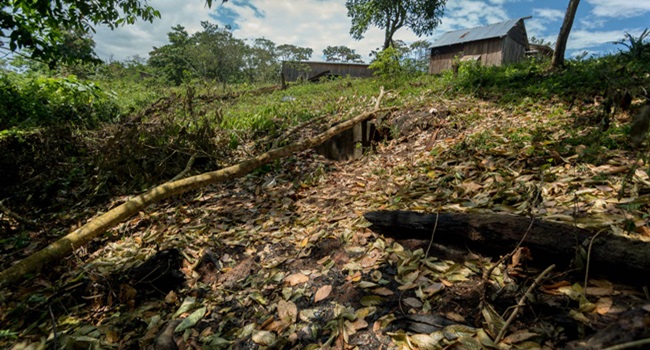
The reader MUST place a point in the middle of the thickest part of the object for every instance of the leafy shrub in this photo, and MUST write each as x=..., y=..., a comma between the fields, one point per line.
x=387, y=63
x=27, y=101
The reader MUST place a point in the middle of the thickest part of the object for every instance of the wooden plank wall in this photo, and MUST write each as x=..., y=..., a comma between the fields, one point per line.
x=513, y=51
x=441, y=63
x=295, y=70
x=490, y=51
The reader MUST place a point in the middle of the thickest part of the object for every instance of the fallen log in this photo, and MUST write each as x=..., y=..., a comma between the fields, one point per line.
x=614, y=256
x=67, y=244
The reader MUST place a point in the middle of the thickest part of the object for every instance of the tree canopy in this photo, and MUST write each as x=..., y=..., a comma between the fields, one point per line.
x=421, y=16
x=40, y=26
x=215, y=54
x=341, y=54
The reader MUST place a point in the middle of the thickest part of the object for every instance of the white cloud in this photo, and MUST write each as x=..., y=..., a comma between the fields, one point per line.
x=583, y=39
x=140, y=38
x=548, y=15
x=314, y=24
x=619, y=8
x=591, y=22
x=471, y=13
x=537, y=28
x=502, y=2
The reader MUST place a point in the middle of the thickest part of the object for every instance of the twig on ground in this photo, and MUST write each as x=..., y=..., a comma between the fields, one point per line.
x=187, y=169
x=435, y=226
x=54, y=331
x=487, y=273
x=521, y=302
x=584, y=289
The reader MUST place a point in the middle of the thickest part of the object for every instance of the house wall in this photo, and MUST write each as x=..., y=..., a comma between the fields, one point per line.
x=493, y=52
x=294, y=70
x=489, y=50
x=512, y=51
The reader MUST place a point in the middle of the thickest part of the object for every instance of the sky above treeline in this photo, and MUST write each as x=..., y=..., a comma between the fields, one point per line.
x=321, y=23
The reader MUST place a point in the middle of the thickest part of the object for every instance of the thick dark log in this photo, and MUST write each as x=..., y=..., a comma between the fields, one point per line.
x=616, y=257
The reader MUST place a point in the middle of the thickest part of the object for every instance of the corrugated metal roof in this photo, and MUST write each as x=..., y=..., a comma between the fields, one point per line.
x=496, y=30
x=332, y=63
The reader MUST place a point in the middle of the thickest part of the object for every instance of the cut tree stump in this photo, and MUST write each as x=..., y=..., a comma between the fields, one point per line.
x=617, y=257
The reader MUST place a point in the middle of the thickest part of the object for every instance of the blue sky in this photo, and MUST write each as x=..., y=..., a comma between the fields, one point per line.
x=321, y=23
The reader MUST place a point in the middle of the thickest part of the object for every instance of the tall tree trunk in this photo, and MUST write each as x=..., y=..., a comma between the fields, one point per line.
x=388, y=38
x=560, y=46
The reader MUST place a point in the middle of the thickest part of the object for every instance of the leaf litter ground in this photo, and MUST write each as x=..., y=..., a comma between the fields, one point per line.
x=283, y=258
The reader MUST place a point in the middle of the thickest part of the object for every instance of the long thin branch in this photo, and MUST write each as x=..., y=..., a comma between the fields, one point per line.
x=487, y=273
x=187, y=169
x=521, y=302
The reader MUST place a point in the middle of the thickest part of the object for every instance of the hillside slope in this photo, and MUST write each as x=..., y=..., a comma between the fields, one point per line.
x=283, y=258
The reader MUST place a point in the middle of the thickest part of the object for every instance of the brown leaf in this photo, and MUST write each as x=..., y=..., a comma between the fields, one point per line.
x=288, y=311
x=643, y=231
x=322, y=293
x=519, y=336
x=265, y=338
x=603, y=305
x=412, y=302
x=276, y=326
x=600, y=291
x=359, y=324
x=296, y=278
x=382, y=291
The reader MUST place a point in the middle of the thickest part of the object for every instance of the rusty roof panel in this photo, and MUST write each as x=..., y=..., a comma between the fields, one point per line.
x=496, y=30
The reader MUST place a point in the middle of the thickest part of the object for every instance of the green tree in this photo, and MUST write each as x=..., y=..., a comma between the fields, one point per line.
x=260, y=61
x=171, y=60
x=40, y=26
x=341, y=54
x=216, y=54
x=288, y=52
x=421, y=16
x=387, y=63
x=211, y=54
x=418, y=55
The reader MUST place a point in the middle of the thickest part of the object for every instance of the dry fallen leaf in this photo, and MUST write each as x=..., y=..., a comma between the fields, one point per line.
x=296, y=278
x=382, y=291
x=603, y=305
x=519, y=336
x=322, y=293
x=265, y=338
x=288, y=311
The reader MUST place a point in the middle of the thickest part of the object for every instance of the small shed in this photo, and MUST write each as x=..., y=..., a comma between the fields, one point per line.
x=540, y=51
x=307, y=70
x=492, y=45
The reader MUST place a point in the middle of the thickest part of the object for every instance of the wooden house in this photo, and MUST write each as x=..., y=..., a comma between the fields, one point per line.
x=492, y=45
x=293, y=71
